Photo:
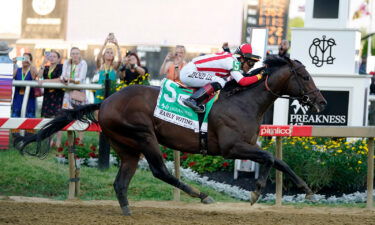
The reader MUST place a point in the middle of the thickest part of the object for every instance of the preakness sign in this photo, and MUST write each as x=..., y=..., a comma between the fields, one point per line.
x=335, y=114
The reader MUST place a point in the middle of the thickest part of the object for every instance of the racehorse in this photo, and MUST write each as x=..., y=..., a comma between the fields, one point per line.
x=126, y=118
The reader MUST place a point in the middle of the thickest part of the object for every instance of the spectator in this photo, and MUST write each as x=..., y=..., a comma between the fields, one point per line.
x=131, y=69
x=52, y=98
x=74, y=71
x=106, y=64
x=283, y=48
x=26, y=72
x=173, y=63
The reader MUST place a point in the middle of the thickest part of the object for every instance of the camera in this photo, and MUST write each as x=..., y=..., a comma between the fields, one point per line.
x=20, y=58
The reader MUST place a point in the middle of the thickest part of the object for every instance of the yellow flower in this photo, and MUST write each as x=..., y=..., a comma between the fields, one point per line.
x=359, y=162
x=339, y=151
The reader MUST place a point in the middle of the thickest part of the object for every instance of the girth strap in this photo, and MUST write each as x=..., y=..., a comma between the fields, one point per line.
x=203, y=142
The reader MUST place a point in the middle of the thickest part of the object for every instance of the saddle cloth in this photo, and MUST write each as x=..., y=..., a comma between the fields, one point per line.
x=169, y=106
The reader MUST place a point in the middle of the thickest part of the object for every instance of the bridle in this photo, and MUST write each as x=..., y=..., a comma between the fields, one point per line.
x=304, y=98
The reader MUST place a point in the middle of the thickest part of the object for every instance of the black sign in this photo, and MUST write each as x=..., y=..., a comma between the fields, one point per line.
x=251, y=16
x=44, y=19
x=269, y=14
x=335, y=114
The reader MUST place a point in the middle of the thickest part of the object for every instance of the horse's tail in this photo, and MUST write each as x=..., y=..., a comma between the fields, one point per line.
x=84, y=113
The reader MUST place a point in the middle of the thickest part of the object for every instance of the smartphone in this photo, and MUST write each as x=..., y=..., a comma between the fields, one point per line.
x=20, y=58
x=111, y=36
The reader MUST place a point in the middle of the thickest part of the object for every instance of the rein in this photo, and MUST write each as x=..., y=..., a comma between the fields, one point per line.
x=304, y=98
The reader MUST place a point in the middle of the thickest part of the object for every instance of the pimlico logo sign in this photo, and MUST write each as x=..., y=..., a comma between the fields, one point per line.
x=335, y=114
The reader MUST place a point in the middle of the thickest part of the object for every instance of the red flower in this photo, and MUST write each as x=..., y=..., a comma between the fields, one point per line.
x=60, y=149
x=192, y=164
x=66, y=143
x=76, y=141
x=92, y=155
x=225, y=164
x=93, y=148
x=164, y=155
x=184, y=156
x=82, y=145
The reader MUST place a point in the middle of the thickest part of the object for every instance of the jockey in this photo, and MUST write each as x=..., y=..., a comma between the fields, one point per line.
x=211, y=72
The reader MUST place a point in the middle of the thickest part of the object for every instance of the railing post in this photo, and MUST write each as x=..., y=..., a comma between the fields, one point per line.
x=72, y=167
x=279, y=175
x=25, y=100
x=176, y=191
x=104, y=146
x=370, y=172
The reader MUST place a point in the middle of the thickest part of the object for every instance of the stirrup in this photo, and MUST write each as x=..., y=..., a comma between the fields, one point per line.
x=193, y=104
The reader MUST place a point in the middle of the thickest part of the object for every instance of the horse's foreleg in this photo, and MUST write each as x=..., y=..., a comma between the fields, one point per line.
x=283, y=167
x=255, y=153
x=160, y=171
x=126, y=171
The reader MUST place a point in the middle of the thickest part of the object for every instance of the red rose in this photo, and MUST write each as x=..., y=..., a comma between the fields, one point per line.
x=93, y=148
x=225, y=164
x=60, y=149
x=66, y=143
x=192, y=164
x=164, y=155
x=184, y=156
x=92, y=154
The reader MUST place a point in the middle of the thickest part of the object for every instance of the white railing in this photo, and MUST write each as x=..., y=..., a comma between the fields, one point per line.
x=56, y=85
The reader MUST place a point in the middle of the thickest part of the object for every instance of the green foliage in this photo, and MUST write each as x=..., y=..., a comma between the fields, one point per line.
x=325, y=162
x=200, y=163
x=365, y=47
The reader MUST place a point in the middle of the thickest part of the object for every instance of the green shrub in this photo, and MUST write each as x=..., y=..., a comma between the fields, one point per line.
x=325, y=162
x=200, y=163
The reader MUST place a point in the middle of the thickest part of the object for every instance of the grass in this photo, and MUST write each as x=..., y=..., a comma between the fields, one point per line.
x=29, y=176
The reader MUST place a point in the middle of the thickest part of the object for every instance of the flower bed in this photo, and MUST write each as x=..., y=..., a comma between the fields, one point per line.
x=325, y=162
x=85, y=154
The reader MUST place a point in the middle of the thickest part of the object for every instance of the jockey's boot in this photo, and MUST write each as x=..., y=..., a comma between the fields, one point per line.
x=196, y=99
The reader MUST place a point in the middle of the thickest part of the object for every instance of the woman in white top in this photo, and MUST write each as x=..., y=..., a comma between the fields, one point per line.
x=74, y=71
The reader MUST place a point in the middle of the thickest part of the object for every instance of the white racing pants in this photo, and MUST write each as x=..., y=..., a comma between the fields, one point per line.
x=190, y=76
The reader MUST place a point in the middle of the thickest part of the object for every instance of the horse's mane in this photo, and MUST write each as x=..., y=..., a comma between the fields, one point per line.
x=272, y=63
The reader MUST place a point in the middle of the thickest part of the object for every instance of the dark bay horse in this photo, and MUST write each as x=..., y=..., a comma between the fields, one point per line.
x=127, y=120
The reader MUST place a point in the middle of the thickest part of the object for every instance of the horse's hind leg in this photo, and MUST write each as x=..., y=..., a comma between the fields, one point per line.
x=125, y=173
x=283, y=167
x=160, y=171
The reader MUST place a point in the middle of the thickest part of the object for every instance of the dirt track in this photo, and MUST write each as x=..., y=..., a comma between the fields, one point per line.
x=35, y=211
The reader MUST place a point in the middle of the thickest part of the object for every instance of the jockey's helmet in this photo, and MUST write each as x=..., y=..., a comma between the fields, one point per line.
x=246, y=51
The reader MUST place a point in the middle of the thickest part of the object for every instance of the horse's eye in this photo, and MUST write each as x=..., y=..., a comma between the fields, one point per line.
x=306, y=78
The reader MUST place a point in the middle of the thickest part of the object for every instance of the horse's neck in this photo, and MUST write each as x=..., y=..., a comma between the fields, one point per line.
x=263, y=97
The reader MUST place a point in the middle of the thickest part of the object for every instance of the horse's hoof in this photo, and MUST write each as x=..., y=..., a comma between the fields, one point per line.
x=208, y=200
x=254, y=196
x=126, y=211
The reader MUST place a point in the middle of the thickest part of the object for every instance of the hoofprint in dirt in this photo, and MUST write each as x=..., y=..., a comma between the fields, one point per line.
x=25, y=210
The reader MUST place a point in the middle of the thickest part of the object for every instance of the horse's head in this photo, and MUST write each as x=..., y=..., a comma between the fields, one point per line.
x=295, y=81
